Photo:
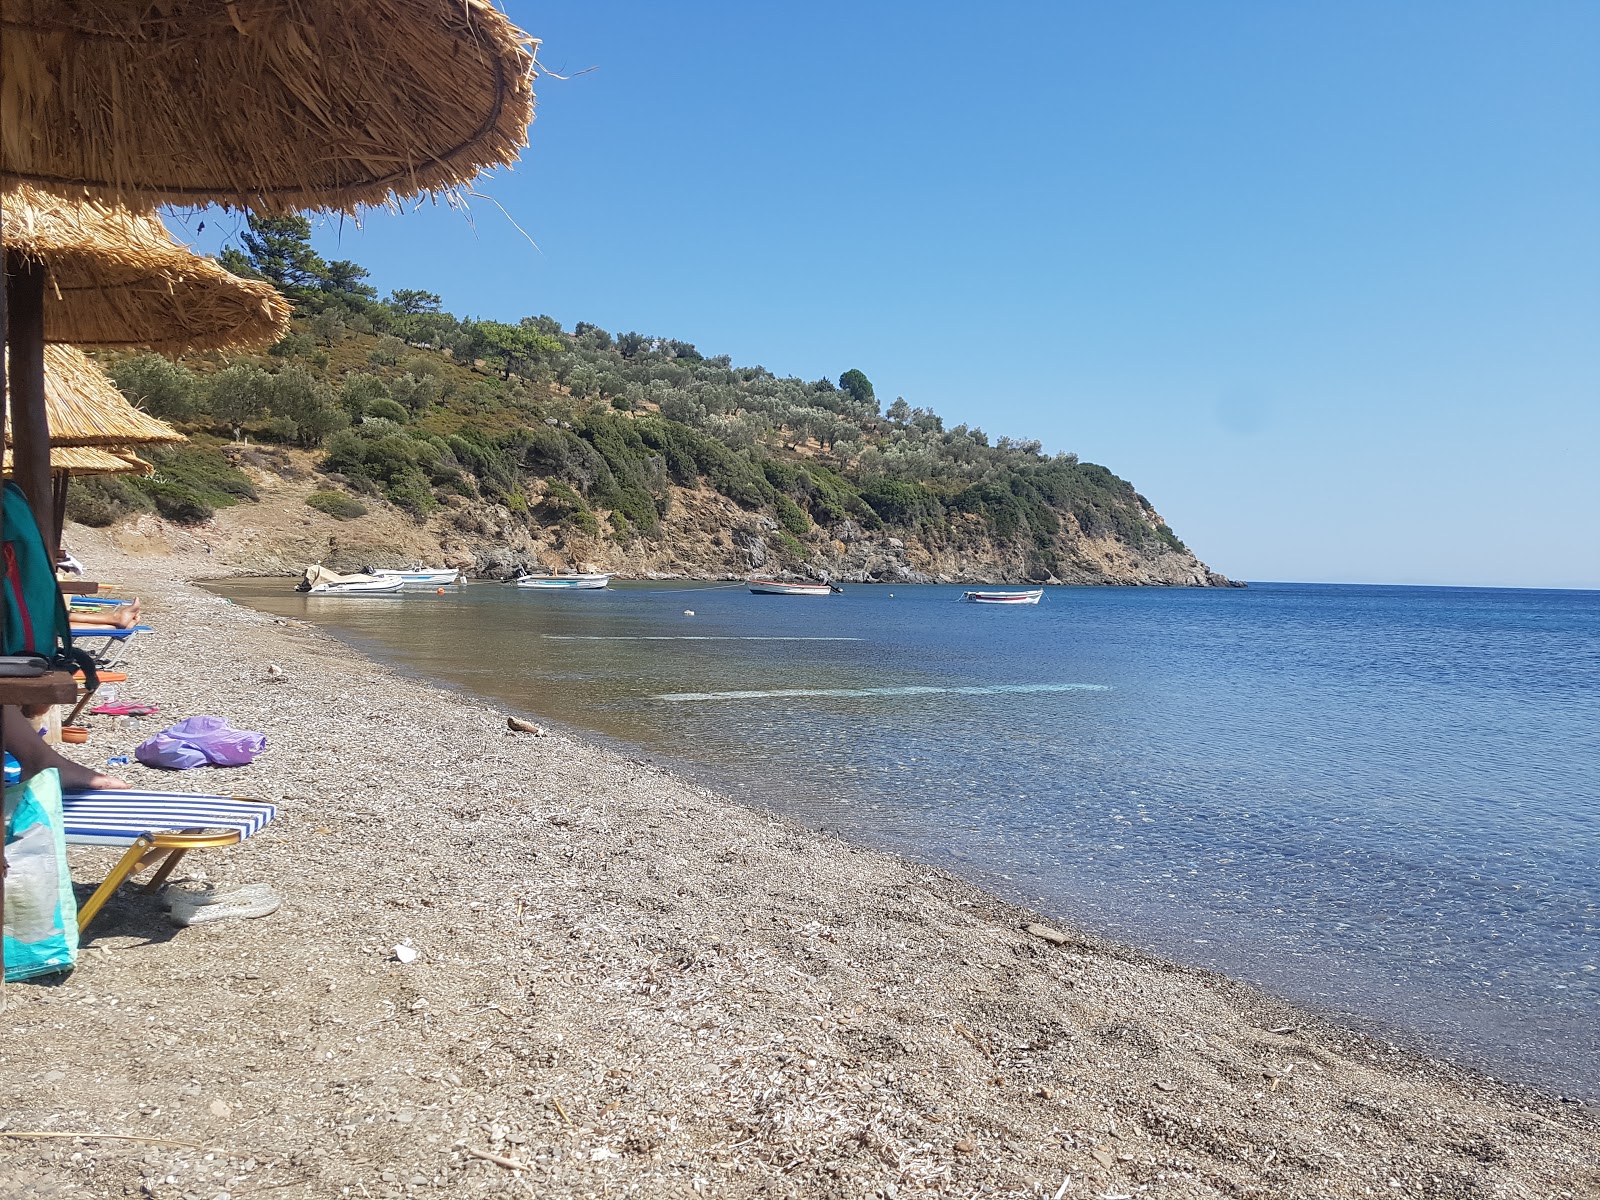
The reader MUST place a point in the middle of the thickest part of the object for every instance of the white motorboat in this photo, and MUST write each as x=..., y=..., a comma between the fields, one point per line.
x=777, y=587
x=423, y=576
x=319, y=581
x=564, y=583
x=1028, y=597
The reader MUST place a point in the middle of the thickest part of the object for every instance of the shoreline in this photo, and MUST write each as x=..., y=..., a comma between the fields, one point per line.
x=629, y=983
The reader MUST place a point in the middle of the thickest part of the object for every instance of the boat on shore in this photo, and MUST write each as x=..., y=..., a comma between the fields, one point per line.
x=319, y=581
x=563, y=583
x=424, y=576
x=1031, y=596
x=777, y=587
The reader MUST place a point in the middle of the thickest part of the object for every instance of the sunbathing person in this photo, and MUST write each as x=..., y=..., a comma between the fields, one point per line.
x=28, y=748
x=106, y=616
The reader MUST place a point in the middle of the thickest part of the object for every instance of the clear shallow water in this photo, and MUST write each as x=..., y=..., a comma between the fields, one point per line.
x=1381, y=801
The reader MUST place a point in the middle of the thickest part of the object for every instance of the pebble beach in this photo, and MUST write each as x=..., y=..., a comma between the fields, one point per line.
x=625, y=984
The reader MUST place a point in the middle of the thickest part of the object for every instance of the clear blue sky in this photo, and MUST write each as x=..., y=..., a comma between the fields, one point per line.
x=1323, y=281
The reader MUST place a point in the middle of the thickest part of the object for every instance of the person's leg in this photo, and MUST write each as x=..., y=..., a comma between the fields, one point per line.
x=114, y=616
x=25, y=745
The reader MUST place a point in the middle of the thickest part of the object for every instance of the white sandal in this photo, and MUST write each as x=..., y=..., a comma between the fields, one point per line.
x=173, y=897
x=236, y=905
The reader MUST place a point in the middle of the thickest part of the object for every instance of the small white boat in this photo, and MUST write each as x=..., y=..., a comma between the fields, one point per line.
x=319, y=581
x=777, y=587
x=425, y=576
x=564, y=583
x=1029, y=597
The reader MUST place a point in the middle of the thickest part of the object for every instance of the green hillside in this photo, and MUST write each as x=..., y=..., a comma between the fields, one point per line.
x=585, y=429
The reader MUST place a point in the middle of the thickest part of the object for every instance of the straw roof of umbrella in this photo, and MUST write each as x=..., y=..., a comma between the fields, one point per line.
x=85, y=460
x=271, y=105
x=116, y=278
x=84, y=408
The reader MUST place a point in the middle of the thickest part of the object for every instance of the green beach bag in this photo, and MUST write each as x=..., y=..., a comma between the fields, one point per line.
x=41, y=929
x=36, y=620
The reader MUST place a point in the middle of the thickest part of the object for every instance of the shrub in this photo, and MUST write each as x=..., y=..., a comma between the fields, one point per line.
x=787, y=541
x=157, y=385
x=791, y=518
x=204, y=471
x=898, y=502
x=359, y=390
x=176, y=501
x=337, y=504
x=388, y=410
x=103, y=500
x=408, y=489
x=239, y=394
x=387, y=352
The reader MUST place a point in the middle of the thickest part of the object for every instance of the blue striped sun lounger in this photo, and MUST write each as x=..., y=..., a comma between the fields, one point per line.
x=148, y=823
x=117, y=640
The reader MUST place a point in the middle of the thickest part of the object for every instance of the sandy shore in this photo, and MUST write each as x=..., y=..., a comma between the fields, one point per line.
x=628, y=985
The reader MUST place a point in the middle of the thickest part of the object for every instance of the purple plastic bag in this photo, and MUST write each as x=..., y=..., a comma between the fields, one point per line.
x=200, y=740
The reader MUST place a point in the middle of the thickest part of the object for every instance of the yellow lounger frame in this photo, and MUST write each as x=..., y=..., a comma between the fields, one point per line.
x=176, y=845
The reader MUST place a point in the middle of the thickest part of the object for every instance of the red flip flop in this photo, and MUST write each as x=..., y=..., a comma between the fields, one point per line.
x=125, y=710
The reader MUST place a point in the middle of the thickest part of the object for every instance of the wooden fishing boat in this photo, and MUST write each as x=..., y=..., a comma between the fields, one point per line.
x=777, y=587
x=424, y=576
x=563, y=583
x=1028, y=597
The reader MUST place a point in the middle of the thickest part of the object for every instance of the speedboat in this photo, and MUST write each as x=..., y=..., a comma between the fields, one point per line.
x=777, y=587
x=1029, y=597
x=319, y=581
x=564, y=583
x=425, y=576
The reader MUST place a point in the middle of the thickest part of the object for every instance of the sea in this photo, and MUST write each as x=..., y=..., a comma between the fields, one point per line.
x=1379, y=802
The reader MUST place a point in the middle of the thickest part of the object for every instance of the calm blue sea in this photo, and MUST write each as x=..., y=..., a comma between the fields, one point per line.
x=1381, y=801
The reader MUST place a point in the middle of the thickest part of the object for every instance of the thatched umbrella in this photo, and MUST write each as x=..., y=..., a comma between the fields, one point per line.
x=114, y=277
x=86, y=411
x=83, y=407
x=75, y=461
x=69, y=462
x=269, y=105
x=103, y=275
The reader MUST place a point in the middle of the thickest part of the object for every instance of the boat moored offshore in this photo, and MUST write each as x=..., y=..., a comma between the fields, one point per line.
x=422, y=576
x=319, y=581
x=1031, y=596
x=779, y=587
x=563, y=583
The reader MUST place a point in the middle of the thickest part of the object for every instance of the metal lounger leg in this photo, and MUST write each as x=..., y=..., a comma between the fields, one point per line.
x=126, y=865
x=160, y=876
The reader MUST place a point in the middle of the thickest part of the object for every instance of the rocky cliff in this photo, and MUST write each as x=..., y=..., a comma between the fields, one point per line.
x=702, y=535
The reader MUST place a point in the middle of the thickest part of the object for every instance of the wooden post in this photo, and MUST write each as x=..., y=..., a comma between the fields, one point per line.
x=30, y=429
x=59, y=482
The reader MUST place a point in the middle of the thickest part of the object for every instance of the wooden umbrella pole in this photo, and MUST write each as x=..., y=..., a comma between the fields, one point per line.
x=59, y=482
x=30, y=429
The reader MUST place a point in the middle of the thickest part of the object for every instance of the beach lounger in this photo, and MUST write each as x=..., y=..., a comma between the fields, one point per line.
x=147, y=822
x=117, y=641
